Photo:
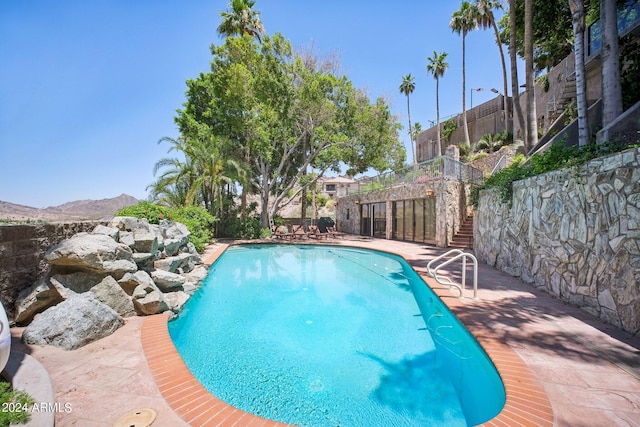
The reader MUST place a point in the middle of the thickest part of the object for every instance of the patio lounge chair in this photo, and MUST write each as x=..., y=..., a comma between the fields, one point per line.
x=334, y=233
x=281, y=232
x=314, y=232
x=299, y=233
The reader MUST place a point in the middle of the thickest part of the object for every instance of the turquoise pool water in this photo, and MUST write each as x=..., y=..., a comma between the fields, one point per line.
x=328, y=336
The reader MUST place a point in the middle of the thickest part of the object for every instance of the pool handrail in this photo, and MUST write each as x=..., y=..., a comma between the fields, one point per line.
x=444, y=280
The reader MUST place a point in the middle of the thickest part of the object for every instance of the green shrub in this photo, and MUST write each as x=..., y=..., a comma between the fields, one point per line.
x=557, y=156
x=14, y=405
x=198, y=220
x=242, y=228
x=152, y=212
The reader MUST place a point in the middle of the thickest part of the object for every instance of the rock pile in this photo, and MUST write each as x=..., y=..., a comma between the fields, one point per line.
x=127, y=268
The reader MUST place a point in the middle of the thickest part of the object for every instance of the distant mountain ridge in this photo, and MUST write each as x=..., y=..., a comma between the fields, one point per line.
x=78, y=210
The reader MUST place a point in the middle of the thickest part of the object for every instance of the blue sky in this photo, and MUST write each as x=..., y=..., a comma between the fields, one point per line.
x=87, y=88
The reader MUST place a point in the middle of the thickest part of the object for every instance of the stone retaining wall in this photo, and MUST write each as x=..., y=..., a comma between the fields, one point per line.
x=573, y=232
x=22, y=249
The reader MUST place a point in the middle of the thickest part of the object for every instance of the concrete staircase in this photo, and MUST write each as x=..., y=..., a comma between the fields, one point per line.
x=463, y=239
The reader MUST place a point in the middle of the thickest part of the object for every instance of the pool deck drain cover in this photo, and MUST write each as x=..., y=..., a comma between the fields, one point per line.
x=138, y=418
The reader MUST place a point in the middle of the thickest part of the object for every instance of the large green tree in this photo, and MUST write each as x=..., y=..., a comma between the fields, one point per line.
x=281, y=116
x=437, y=65
x=464, y=20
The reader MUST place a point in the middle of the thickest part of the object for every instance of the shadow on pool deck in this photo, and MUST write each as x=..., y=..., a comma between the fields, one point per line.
x=589, y=370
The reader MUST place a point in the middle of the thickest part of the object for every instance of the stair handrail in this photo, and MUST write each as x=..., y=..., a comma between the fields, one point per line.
x=460, y=255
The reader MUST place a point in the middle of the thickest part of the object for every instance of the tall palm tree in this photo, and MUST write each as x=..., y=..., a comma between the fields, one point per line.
x=417, y=128
x=578, y=20
x=513, y=60
x=437, y=66
x=462, y=21
x=239, y=19
x=611, y=88
x=486, y=19
x=407, y=87
x=532, y=123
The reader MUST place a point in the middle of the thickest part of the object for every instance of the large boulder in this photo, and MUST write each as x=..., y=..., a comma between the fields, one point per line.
x=110, y=293
x=166, y=281
x=181, y=263
x=131, y=281
x=79, y=282
x=148, y=303
x=35, y=299
x=96, y=253
x=130, y=223
x=73, y=323
x=175, y=234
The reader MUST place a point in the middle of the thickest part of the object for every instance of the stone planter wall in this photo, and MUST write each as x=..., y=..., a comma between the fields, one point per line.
x=573, y=232
x=22, y=249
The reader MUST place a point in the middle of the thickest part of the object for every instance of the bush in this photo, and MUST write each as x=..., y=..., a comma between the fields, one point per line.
x=14, y=405
x=243, y=228
x=558, y=156
x=198, y=220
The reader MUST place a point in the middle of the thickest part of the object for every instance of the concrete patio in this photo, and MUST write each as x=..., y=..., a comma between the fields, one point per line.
x=589, y=370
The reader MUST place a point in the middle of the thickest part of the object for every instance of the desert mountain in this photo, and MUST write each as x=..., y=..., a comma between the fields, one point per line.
x=79, y=210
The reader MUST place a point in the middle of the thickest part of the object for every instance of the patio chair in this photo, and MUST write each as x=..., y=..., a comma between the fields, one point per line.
x=281, y=232
x=314, y=232
x=334, y=233
x=299, y=233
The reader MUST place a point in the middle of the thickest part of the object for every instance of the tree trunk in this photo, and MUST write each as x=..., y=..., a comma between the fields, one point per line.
x=515, y=87
x=413, y=147
x=578, y=17
x=464, y=94
x=532, y=119
x=611, y=89
x=438, y=149
x=508, y=124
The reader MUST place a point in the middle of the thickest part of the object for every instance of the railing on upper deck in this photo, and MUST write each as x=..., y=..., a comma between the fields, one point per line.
x=441, y=167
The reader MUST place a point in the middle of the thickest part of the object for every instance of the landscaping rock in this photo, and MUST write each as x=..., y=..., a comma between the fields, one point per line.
x=131, y=281
x=166, y=281
x=112, y=232
x=183, y=262
x=110, y=293
x=73, y=323
x=175, y=236
x=175, y=300
x=92, y=252
x=130, y=223
x=79, y=282
x=148, y=303
x=34, y=300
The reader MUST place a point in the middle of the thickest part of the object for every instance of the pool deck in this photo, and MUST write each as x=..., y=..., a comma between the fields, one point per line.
x=560, y=365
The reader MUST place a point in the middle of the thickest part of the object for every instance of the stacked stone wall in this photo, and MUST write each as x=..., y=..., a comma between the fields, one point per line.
x=22, y=250
x=573, y=232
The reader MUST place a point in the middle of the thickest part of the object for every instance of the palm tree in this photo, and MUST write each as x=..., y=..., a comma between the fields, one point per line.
x=437, y=66
x=239, y=19
x=515, y=86
x=578, y=20
x=611, y=88
x=407, y=87
x=463, y=21
x=486, y=19
x=417, y=128
x=532, y=124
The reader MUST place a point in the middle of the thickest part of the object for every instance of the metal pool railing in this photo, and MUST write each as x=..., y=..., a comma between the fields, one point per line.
x=444, y=280
x=441, y=167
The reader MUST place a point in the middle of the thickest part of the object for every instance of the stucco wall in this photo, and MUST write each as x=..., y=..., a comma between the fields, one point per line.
x=573, y=232
x=22, y=250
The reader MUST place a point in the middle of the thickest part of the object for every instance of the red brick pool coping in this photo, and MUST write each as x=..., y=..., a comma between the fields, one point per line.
x=527, y=403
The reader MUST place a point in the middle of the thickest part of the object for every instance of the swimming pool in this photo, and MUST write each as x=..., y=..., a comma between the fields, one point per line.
x=321, y=335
